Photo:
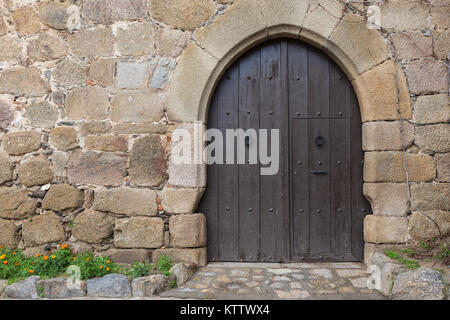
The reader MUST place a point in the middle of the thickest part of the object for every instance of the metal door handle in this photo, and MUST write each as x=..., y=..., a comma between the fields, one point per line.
x=319, y=172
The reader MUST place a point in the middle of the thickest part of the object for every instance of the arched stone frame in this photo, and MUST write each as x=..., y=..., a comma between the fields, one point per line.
x=361, y=52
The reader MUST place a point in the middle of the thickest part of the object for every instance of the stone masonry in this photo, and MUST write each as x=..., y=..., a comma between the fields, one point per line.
x=91, y=91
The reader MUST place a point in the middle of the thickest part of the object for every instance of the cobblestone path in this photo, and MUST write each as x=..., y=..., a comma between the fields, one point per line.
x=246, y=281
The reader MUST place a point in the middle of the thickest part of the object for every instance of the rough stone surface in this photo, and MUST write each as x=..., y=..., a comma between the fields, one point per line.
x=365, y=50
x=22, y=142
x=59, y=161
x=423, y=228
x=181, y=14
x=433, y=138
x=46, y=47
x=3, y=26
x=378, y=229
x=87, y=104
x=26, y=21
x=132, y=75
x=440, y=11
x=387, y=199
x=54, y=14
x=136, y=40
x=42, y=115
x=171, y=43
x=92, y=43
x=26, y=289
x=396, y=14
x=148, y=161
x=149, y=286
x=432, y=109
x=380, y=136
x=443, y=167
x=188, y=231
x=59, y=289
x=23, y=82
x=15, y=203
x=35, y=172
x=64, y=138
x=140, y=128
x=110, y=11
x=427, y=196
x=43, y=229
x=129, y=256
x=107, y=143
x=93, y=226
x=96, y=168
x=9, y=234
x=101, y=71
x=69, y=73
x=421, y=284
x=136, y=106
x=197, y=256
x=139, y=232
x=181, y=201
x=95, y=127
x=182, y=272
x=109, y=286
x=412, y=45
x=441, y=43
x=427, y=76
x=6, y=168
x=387, y=166
x=377, y=93
x=10, y=49
x=6, y=116
x=322, y=18
x=127, y=201
x=63, y=198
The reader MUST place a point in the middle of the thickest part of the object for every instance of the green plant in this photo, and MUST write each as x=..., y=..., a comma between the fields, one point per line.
x=173, y=283
x=409, y=252
x=444, y=252
x=424, y=245
x=410, y=264
x=164, y=265
x=40, y=290
x=139, y=270
x=93, y=267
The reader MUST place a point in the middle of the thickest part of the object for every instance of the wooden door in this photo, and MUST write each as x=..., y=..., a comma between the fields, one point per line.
x=313, y=208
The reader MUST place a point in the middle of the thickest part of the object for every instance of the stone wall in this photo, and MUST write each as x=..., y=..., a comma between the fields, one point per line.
x=88, y=107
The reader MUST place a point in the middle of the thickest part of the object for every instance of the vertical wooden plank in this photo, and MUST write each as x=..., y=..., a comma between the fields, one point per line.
x=360, y=205
x=340, y=175
x=319, y=186
x=228, y=186
x=339, y=93
x=270, y=186
x=208, y=204
x=319, y=84
x=298, y=79
x=249, y=211
x=300, y=188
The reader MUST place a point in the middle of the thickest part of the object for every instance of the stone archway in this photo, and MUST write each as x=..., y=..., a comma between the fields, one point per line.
x=360, y=51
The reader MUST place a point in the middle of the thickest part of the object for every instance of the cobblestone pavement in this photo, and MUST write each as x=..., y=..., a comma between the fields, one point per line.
x=247, y=281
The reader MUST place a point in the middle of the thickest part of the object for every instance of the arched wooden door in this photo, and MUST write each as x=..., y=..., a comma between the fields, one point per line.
x=313, y=209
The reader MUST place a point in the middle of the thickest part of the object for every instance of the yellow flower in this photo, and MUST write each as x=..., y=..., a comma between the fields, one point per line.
x=13, y=253
x=107, y=269
x=46, y=258
x=38, y=255
x=65, y=246
x=2, y=256
x=5, y=262
x=53, y=257
x=30, y=271
x=87, y=259
x=74, y=258
x=17, y=264
x=101, y=267
x=1, y=247
x=109, y=261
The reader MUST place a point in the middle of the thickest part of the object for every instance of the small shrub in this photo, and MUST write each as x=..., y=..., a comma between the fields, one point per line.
x=164, y=265
x=93, y=267
x=410, y=264
x=140, y=269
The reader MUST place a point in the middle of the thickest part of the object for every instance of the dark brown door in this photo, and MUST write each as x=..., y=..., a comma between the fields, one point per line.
x=313, y=208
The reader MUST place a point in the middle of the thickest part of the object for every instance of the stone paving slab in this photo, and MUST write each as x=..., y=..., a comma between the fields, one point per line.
x=275, y=281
